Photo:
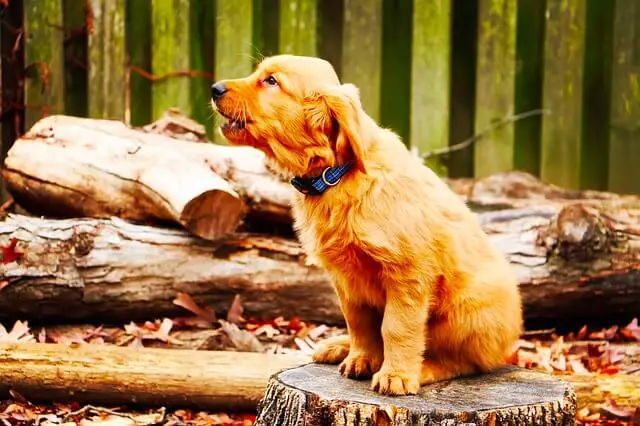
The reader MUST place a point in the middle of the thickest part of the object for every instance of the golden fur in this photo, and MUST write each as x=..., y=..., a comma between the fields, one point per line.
x=425, y=295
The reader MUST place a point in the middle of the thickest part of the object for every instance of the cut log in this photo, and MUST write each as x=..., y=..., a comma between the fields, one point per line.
x=316, y=394
x=515, y=189
x=115, y=271
x=568, y=262
x=111, y=375
x=69, y=167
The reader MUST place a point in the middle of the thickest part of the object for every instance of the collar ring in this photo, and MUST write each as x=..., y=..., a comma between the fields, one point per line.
x=324, y=178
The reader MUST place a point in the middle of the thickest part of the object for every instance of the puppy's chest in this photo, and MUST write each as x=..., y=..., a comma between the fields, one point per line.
x=335, y=247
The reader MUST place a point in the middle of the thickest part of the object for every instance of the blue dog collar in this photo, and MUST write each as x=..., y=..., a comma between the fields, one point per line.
x=317, y=185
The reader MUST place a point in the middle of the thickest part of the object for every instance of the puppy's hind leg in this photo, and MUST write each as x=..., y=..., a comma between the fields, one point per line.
x=435, y=370
x=332, y=350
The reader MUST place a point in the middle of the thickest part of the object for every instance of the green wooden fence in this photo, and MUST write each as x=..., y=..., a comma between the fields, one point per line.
x=553, y=85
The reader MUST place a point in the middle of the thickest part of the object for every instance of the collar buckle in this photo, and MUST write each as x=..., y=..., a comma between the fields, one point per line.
x=324, y=178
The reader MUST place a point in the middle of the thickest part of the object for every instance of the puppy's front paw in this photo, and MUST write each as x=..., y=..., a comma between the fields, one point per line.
x=360, y=365
x=395, y=383
x=331, y=353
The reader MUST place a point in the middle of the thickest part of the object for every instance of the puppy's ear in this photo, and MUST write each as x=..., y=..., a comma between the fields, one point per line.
x=334, y=111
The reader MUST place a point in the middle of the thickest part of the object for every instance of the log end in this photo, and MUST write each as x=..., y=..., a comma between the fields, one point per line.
x=317, y=394
x=213, y=214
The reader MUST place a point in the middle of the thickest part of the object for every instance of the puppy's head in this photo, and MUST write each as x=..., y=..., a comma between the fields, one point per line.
x=295, y=110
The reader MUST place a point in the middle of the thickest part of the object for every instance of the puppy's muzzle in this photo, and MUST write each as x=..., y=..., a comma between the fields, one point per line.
x=218, y=90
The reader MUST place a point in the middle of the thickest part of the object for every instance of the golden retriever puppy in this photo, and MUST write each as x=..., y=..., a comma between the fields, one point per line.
x=424, y=294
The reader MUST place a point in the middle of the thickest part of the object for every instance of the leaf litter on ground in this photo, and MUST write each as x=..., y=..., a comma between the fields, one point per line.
x=586, y=352
x=19, y=411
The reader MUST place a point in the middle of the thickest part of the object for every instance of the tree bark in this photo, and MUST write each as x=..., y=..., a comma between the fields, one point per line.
x=74, y=167
x=568, y=261
x=111, y=375
x=315, y=394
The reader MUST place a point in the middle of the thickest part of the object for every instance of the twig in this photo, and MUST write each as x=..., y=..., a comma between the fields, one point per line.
x=156, y=78
x=98, y=410
x=162, y=411
x=498, y=124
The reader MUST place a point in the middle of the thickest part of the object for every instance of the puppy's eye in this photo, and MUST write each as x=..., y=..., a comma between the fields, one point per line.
x=271, y=81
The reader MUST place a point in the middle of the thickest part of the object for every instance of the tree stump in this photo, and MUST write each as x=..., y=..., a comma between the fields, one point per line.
x=316, y=394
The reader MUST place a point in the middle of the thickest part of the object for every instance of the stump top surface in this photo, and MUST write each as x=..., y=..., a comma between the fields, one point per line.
x=505, y=388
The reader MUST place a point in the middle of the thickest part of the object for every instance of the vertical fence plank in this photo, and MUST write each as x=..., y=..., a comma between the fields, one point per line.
x=624, y=157
x=529, y=51
x=234, y=41
x=170, y=54
x=107, y=59
x=362, y=51
x=395, y=93
x=431, y=54
x=298, y=27
x=138, y=44
x=75, y=57
x=44, y=83
x=463, y=85
x=12, y=62
x=266, y=28
x=201, y=52
x=562, y=92
x=495, y=90
x=331, y=28
x=594, y=159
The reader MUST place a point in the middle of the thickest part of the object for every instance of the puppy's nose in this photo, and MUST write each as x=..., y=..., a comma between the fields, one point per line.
x=218, y=90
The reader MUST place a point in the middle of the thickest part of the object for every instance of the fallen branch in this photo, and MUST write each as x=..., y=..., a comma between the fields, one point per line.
x=495, y=126
x=111, y=375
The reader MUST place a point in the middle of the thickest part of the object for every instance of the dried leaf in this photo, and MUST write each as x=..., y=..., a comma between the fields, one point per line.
x=235, y=311
x=559, y=363
x=18, y=334
x=191, y=322
x=135, y=343
x=611, y=333
x=267, y=330
x=9, y=252
x=151, y=331
x=317, y=332
x=165, y=329
x=242, y=340
x=582, y=334
x=578, y=367
x=185, y=301
x=304, y=346
x=632, y=330
x=612, y=409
